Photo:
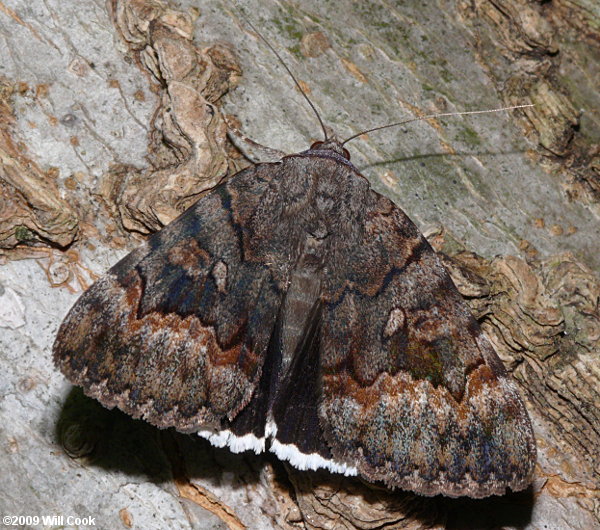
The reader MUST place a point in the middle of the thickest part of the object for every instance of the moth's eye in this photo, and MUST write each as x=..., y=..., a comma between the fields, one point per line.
x=316, y=145
x=345, y=153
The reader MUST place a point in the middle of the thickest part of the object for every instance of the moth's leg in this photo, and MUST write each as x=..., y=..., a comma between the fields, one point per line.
x=250, y=149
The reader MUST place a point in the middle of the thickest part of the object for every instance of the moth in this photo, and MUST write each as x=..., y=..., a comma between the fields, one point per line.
x=295, y=310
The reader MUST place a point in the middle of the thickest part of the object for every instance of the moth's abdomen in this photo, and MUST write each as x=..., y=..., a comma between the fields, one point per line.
x=300, y=298
x=303, y=293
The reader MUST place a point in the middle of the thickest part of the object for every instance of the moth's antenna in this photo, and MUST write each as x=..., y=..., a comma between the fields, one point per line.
x=434, y=116
x=289, y=72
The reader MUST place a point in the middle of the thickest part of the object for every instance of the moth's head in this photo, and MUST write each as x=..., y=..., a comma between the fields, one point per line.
x=331, y=145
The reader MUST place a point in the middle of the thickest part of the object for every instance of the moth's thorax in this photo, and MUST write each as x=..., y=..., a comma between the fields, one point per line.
x=331, y=148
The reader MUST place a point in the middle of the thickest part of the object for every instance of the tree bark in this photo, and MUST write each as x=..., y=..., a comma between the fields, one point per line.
x=113, y=120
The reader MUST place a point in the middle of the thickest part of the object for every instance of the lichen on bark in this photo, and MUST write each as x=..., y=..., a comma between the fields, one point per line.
x=512, y=202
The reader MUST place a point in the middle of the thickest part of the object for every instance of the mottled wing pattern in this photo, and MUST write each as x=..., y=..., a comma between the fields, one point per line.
x=177, y=331
x=294, y=303
x=412, y=392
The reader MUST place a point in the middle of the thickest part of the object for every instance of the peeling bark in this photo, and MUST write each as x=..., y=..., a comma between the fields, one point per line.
x=31, y=209
x=187, y=151
x=534, y=208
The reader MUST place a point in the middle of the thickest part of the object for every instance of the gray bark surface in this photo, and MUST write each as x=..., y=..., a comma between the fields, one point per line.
x=105, y=136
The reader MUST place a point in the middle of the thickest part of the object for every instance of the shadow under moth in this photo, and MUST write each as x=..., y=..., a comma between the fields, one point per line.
x=295, y=310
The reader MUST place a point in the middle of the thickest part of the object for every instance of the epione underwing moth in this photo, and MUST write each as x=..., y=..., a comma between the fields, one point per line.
x=296, y=310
